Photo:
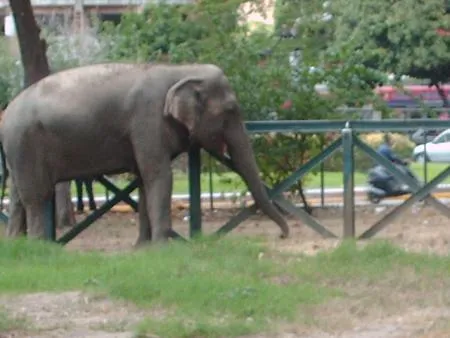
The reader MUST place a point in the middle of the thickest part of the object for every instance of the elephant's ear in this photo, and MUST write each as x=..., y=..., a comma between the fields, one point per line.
x=173, y=107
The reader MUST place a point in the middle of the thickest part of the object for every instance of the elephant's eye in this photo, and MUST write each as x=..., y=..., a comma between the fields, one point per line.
x=198, y=96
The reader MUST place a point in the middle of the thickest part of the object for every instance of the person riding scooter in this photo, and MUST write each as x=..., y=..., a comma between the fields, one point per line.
x=382, y=183
x=385, y=149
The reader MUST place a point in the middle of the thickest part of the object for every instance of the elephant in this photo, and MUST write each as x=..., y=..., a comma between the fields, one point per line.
x=111, y=118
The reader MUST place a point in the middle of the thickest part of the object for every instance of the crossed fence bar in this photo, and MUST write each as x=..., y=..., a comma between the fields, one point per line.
x=347, y=141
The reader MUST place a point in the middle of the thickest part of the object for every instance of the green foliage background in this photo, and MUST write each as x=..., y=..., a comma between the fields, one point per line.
x=399, y=36
x=11, y=75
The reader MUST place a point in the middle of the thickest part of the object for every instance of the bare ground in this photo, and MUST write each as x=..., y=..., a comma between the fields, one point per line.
x=387, y=310
x=71, y=315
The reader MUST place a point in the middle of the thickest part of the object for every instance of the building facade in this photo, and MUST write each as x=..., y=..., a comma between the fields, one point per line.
x=54, y=12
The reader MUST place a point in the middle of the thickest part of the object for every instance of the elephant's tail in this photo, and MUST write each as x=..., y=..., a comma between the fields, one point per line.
x=4, y=175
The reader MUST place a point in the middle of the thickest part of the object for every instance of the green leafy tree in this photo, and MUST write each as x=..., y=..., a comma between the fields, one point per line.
x=404, y=37
x=310, y=22
x=177, y=33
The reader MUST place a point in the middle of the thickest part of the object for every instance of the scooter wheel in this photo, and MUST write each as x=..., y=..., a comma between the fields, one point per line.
x=374, y=198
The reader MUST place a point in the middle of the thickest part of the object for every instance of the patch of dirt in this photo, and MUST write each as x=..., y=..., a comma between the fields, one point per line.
x=412, y=322
x=73, y=315
x=421, y=229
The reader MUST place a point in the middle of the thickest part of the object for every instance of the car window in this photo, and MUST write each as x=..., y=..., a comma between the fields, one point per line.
x=439, y=139
x=443, y=138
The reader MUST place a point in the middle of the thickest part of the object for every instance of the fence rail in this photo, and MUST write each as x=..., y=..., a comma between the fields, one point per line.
x=320, y=126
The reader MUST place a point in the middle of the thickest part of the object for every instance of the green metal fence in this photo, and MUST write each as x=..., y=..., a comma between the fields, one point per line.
x=348, y=140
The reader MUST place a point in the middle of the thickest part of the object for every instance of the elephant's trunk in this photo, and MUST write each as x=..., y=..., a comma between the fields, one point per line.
x=243, y=159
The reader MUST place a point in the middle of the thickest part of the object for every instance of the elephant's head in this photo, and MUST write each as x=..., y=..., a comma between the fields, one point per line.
x=204, y=102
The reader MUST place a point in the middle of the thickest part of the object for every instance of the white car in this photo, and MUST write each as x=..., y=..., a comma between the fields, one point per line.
x=437, y=150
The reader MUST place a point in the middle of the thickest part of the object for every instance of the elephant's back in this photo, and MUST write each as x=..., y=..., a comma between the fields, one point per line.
x=87, y=77
x=14, y=112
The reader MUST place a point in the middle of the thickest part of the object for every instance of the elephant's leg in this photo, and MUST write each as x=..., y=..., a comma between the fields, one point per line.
x=145, y=230
x=158, y=191
x=79, y=187
x=17, y=221
x=36, y=219
x=36, y=193
x=90, y=193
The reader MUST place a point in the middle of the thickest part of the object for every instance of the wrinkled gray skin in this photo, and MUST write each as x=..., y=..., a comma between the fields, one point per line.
x=119, y=117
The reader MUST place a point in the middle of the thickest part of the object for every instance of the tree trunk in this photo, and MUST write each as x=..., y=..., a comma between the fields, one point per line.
x=32, y=47
x=443, y=95
x=35, y=64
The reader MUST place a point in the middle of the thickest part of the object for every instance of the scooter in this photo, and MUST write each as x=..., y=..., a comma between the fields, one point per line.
x=382, y=184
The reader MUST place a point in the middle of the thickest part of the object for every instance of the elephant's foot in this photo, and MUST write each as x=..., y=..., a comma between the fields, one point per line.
x=145, y=231
x=36, y=220
x=142, y=243
x=36, y=232
x=12, y=232
x=16, y=228
x=162, y=236
x=144, y=238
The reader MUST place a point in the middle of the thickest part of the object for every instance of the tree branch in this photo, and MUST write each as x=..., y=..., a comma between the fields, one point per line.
x=32, y=47
x=442, y=95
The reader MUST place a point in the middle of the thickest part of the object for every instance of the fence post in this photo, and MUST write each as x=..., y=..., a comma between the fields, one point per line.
x=322, y=173
x=211, y=187
x=348, y=173
x=195, y=208
x=106, y=195
x=425, y=162
x=50, y=223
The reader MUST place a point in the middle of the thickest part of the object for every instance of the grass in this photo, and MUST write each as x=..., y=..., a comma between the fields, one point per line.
x=219, y=286
x=210, y=288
